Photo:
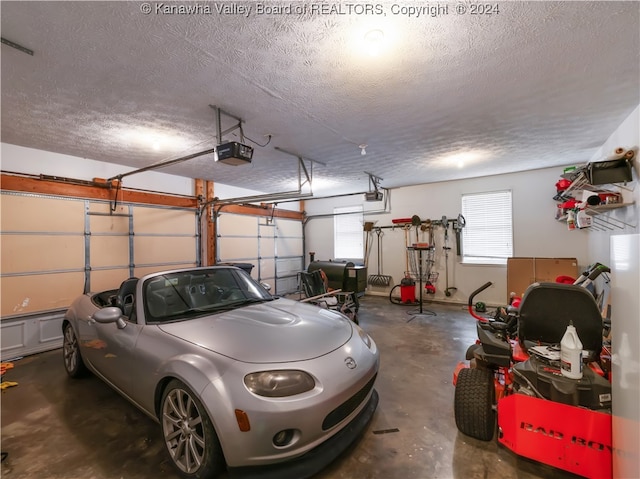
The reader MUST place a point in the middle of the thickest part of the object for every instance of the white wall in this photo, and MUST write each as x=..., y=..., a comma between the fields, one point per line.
x=620, y=249
x=627, y=136
x=226, y=192
x=536, y=232
x=35, y=162
x=19, y=159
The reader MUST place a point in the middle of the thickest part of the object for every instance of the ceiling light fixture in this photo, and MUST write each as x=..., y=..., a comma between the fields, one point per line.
x=363, y=150
x=151, y=138
x=463, y=158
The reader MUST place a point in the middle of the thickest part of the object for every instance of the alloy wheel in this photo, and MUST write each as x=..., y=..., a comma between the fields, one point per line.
x=183, y=430
x=70, y=350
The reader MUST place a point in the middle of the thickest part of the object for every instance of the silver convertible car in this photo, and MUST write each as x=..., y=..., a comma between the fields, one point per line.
x=238, y=379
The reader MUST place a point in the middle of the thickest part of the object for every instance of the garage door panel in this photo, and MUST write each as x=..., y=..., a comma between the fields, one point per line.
x=287, y=285
x=289, y=247
x=289, y=266
x=105, y=208
x=107, y=224
x=289, y=228
x=238, y=225
x=14, y=337
x=102, y=280
x=289, y=238
x=47, y=259
x=162, y=220
x=26, y=253
x=267, y=269
x=267, y=247
x=109, y=251
x=237, y=248
x=163, y=249
x=34, y=213
x=43, y=292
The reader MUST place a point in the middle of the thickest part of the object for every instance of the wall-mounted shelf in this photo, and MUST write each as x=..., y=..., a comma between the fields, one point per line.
x=607, y=222
x=575, y=205
x=599, y=209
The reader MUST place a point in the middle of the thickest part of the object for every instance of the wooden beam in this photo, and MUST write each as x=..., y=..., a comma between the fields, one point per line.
x=198, y=186
x=266, y=210
x=211, y=226
x=47, y=187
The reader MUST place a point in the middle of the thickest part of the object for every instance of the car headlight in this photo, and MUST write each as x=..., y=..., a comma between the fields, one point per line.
x=366, y=339
x=279, y=383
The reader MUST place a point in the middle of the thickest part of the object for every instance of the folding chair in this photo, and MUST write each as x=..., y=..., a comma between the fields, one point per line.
x=316, y=292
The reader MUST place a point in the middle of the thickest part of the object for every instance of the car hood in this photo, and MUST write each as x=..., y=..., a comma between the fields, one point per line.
x=281, y=330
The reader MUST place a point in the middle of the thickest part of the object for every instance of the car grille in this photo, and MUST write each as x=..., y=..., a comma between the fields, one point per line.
x=347, y=407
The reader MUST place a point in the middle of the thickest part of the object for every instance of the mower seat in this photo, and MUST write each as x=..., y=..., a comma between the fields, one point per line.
x=548, y=308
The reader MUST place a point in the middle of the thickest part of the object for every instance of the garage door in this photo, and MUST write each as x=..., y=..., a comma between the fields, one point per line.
x=289, y=254
x=273, y=246
x=54, y=249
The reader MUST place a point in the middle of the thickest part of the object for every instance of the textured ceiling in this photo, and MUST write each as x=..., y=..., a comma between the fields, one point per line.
x=534, y=85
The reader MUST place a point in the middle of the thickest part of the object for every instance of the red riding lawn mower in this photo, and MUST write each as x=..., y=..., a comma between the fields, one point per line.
x=514, y=372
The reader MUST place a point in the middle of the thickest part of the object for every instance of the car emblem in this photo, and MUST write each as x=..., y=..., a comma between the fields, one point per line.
x=350, y=362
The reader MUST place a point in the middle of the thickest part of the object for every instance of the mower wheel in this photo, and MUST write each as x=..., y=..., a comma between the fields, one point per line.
x=473, y=403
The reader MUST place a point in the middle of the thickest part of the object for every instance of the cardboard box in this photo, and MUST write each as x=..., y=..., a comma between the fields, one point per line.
x=521, y=272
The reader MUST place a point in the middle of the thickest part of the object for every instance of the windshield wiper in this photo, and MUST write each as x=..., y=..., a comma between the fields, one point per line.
x=243, y=302
x=230, y=305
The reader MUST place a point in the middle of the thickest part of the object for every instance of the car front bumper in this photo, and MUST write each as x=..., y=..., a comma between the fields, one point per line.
x=316, y=459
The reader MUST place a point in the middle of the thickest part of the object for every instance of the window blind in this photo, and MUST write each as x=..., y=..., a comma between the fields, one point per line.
x=487, y=237
x=347, y=241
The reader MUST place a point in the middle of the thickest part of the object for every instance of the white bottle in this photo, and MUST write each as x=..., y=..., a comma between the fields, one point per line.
x=571, y=353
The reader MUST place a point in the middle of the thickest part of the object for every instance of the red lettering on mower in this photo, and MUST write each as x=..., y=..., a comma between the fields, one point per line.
x=540, y=430
x=578, y=441
x=595, y=445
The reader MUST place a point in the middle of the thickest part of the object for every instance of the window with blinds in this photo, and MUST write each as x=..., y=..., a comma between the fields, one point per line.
x=347, y=233
x=487, y=237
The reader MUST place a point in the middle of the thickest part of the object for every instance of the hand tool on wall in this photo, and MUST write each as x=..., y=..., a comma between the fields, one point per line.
x=379, y=279
x=448, y=289
x=368, y=241
x=415, y=221
x=406, y=246
x=458, y=224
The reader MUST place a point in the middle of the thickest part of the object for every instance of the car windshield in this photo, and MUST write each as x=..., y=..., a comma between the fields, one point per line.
x=186, y=294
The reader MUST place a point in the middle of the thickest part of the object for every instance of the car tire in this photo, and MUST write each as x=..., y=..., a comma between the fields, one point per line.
x=473, y=403
x=73, y=363
x=188, y=433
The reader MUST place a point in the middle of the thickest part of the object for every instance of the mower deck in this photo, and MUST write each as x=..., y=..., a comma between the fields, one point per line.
x=574, y=439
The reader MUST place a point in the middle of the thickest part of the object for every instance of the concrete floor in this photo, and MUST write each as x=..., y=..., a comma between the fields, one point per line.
x=55, y=427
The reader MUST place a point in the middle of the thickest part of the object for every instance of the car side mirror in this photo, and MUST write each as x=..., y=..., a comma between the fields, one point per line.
x=108, y=315
x=266, y=286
